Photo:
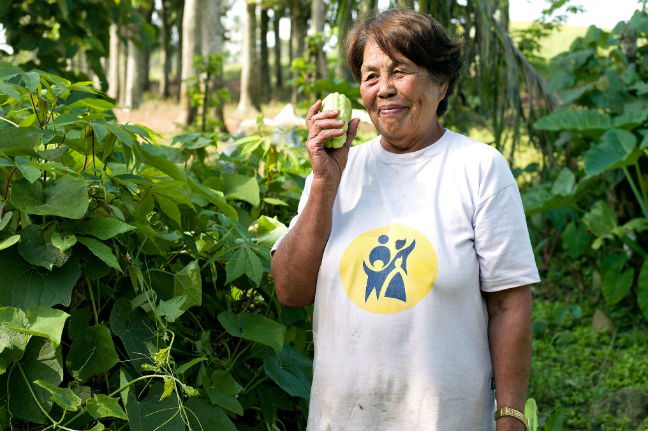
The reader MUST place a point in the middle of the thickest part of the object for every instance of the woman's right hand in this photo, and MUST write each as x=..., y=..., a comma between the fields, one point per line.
x=327, y=164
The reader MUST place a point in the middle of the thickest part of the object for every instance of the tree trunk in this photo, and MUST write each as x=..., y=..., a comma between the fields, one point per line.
x=165, y=50
x=180, y=18
x=212, y=44
x=277, y=49
x=344, y=17
x=248, y=98
x=298, y=30
x=123, y=71
x=369, y=7
x=318, y=15
x=265, y=81
x=147, y=13
x=113, y=63
x=406, y=4
x=190, y=47
x=134, y=77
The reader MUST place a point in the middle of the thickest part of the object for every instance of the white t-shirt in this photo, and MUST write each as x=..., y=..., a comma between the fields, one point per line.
x=400, y=324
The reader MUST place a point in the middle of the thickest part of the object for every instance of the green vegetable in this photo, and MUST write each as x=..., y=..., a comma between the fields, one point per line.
x=337, y=101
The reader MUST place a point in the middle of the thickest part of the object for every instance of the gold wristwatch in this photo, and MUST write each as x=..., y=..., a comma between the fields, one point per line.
x=508, y=411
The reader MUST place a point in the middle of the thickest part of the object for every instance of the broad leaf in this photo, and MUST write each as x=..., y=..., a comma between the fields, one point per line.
x=575, y=240
x=243, y=188
x=582, y=121
x=245, y=261
x=12, y=346
x=41, y=361
x=630, y=119
x=171, y=309
x=63, y=243
x=254, y=327
x=134, y=329
x=153, y=414
x=9, y=241
x=616, y=148
x=66, y=197
x=564, y=184
x=616, y=282
x=36, y=250
x=223, y=391
x=207, y=417
x=268, y=231
x=101, y=250
x=64, y=397
x=103, y=406
x=601, y=219
x=18, y=140
x=29, y=168
x=642, y=289
x=104, y=227
x=26, y=286
x=291, y=370
x=91, y=353
x=39, y=321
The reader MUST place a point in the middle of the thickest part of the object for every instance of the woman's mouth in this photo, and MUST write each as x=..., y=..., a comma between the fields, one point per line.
x=389, y=110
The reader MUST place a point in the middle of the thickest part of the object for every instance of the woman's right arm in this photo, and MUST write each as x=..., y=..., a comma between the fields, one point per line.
x=296, y=262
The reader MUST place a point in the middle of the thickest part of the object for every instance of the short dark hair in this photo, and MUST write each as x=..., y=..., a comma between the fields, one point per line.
x=414, y=35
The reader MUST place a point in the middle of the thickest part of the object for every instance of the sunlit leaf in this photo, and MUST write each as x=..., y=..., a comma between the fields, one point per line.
x=254, y=327
x=289, y=369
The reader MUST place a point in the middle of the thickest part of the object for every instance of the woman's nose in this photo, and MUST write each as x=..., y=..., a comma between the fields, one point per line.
x=386, y=87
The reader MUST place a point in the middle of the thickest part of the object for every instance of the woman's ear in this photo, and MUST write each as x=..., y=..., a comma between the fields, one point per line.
x=443, y=89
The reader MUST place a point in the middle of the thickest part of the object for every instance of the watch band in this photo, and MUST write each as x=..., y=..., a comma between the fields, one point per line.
x=509, y=411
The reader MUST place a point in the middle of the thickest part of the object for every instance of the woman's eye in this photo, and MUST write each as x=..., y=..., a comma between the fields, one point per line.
x=370, y=77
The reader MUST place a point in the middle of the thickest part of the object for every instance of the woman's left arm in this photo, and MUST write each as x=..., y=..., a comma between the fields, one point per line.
x=509, y=337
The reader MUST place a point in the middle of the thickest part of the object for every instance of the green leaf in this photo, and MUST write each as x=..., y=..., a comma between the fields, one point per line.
x=12, y=346
x=244, y=261
x=153, y=414
x=630, y=118
x=169, y=387
x=616, y=283
x=223, y=391
x=134, y=329
x=243, y=188
x=101, y=250
x=216, y=198
x=66, y=197
x=642, y=289
x=61, y=243
x=121, y=134
x=187, y=282
x=8, y=71
x=103, y=406
x=254, y=327
x=564, y=184
x=601, y=219
x=268, y=231
x=9, y=241
x=64, y=397
x=31, y=80
x=104, y=227
x=207, y=417
x=585, y=120
x=185, y=366
x=10, y=90
x=617, y=148
x=4, y=221
x=39, y=321
x=91, y=353
x=171, y=309
x=575, y=240
x=35, y=250
x=28, y=168
x=169, y=208
x=19, y=140
x=63, y=6
x=291, y=370
x=274, y=201
x=41, y=361
x=531, y=412
x=25, y=286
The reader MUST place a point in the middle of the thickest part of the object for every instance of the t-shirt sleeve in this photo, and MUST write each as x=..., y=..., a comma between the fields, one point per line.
x=502, y=240
x=302, y=203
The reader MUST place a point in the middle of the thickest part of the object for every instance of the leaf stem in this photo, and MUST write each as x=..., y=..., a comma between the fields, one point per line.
x=92, y=301
x=31, y=391
x=9, y=121
x=6, y=190
x=638, y=196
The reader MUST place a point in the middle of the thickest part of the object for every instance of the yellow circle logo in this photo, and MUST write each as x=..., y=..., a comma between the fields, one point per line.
x=388, y=270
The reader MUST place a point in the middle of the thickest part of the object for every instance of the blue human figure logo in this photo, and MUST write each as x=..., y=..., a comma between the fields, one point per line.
x=385, y=269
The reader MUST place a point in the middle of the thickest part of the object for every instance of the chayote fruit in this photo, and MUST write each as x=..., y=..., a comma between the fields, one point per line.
x=337, y=101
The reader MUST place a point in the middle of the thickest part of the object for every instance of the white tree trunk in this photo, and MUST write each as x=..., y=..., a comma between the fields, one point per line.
x=212, y=28
x=248, y=58
x=191, y=37
x=318, y=13
x=123, y=60
x=113, y=63
x=134, y=77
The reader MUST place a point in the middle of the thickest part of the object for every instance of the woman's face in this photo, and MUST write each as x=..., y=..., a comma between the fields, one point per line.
x=401, y=99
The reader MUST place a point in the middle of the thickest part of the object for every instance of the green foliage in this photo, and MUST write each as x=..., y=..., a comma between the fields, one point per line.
x=599, y=133
x=145, y=267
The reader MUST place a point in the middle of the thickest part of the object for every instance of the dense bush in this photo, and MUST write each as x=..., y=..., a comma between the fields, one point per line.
x=134, y=276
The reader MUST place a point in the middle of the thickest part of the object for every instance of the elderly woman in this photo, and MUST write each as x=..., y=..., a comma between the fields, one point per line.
x=414, y=248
